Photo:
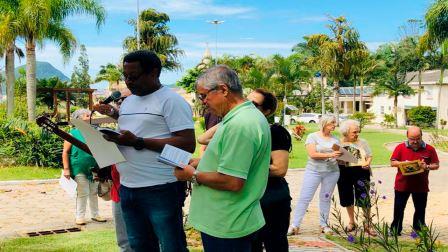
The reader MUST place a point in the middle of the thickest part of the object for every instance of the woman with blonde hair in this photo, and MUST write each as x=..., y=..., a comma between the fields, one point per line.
x=321, y=169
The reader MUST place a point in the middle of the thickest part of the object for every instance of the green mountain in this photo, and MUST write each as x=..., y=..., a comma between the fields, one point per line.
x=44, y=70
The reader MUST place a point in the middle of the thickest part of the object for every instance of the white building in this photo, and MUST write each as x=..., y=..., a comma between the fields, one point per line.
x=432, y=95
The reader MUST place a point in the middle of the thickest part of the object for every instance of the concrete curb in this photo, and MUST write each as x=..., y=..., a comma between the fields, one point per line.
x=334, y=243
x=29, y=182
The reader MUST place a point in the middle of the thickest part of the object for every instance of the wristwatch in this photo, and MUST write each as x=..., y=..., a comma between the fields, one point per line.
x=194, y=178
x=139, y=144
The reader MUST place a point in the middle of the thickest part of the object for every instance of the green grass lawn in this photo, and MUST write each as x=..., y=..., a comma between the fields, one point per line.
x=86, y=241
x=28, y=172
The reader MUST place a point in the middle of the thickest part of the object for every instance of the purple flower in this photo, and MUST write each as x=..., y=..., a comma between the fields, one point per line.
x=360, y=183
x=414, y=235
x=351, y=238
x=363, y=195
x=384, y=196
x=379, y=182
x=327, y=195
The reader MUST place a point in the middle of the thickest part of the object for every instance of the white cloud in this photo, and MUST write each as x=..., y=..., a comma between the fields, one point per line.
x=180, y=8
x=250, y=45
x=310, y=19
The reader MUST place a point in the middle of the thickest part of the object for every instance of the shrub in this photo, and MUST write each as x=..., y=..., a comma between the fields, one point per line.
x=422, y=116
x=389, y=120
x=363, y=118
x=298, y=132
x=24, y=143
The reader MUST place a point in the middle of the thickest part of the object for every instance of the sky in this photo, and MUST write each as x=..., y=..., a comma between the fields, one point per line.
x=259, y=27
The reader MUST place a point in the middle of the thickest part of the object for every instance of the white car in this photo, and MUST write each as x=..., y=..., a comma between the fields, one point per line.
x=306, y=118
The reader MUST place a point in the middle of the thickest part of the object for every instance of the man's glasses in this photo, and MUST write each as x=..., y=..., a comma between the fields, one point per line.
x=202, y=97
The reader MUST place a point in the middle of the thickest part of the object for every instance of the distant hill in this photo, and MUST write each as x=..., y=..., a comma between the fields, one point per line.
x=44, y=70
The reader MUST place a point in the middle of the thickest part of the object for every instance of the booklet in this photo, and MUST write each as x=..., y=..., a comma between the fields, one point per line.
x=108, y=131
x=346, y=155
x=174, y=156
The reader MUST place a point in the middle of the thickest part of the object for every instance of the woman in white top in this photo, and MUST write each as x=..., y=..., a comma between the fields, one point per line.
x=321, y=169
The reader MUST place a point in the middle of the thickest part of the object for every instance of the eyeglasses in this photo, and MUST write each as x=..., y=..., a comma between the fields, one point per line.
x=202, y=97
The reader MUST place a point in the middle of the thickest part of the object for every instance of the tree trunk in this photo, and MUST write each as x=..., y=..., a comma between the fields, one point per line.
x=31, y=78
x=10, y=78
x=396, y=110
x=354, y=97
x=336, y=101
x=419, y=101
x=442, y=71
x=322, y=96
x=361, y=93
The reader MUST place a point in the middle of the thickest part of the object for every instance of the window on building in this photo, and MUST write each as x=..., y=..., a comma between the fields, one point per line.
x=382, y=110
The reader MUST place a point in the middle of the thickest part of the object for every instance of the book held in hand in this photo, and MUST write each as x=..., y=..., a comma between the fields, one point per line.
x=174, y=156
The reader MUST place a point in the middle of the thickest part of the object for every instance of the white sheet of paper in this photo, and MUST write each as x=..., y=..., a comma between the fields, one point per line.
x=174, y=156
x=347, y=156
x=105, y=153
x=68, y=185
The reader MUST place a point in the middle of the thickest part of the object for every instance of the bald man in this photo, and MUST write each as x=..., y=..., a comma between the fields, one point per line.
x=416, y=185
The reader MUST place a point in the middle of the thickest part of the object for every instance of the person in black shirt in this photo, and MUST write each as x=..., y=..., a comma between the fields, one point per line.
x=276, y=201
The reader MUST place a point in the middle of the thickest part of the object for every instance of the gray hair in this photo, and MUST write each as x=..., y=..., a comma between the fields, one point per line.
x=344, y=128
x=220, y=74
x=326, y=119
x=79, y=113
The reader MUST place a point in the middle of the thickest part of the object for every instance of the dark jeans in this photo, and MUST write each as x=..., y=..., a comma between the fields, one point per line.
x=153, y=217
x=401, y=198
x=215, y=244
x=276, y=206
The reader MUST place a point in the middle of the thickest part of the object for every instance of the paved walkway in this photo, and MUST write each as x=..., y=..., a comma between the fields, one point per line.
x=29, y=207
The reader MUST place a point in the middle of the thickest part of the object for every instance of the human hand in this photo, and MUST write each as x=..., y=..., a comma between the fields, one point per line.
x=184, y=174
x=66, y=173
x=194, y=162
x=336, y=154
x=423, y=165
x=125, y=138
x=104, y=109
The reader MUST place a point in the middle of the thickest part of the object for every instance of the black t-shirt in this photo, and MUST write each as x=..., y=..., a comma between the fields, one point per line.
x=280, y=137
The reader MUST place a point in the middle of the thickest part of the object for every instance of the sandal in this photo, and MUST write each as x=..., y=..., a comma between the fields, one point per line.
x=293, y=231
x=350, y=227
x=370, y=231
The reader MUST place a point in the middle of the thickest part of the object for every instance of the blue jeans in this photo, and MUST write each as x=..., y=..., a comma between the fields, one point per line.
x=215, y=244
x=153, y=217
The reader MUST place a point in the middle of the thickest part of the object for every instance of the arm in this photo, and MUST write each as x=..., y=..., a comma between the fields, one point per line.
x=215, y=180
x=433, y=166
x=312, y=153
x=208, y=135
x=279, y=165
x=106, y=109
x=394, y=163
x=183, y=139
x=66, y=158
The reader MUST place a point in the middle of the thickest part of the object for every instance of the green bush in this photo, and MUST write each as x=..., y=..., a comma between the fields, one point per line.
x=363, y=118
x=422, y=116
x=389, y=120
x=24, y=143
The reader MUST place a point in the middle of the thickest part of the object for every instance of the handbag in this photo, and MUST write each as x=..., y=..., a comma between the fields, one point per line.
x=104, y=190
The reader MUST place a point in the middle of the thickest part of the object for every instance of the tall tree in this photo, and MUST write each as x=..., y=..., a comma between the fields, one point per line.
x=8, y=35
x=362, y=69
x=80, y=76
x=110, y=73
x=338, y=52
x=41, y=20
x=155, y=36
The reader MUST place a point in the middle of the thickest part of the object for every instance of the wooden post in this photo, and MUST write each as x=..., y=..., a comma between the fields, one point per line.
x=67, y=105
x=55, y=102
x=90, y=101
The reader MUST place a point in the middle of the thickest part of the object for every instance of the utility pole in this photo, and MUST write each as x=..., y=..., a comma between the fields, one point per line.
x=138, y=24
x=216, y=23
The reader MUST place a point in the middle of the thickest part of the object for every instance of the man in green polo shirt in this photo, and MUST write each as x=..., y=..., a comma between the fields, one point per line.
x=231, y=177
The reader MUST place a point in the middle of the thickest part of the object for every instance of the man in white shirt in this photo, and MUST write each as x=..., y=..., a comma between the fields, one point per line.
x=154, y=115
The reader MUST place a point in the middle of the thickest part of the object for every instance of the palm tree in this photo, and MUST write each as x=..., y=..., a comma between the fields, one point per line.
x=8, y=35
x=338, y=53
x=110, y=73
x=155, y=36
x=40, y=20
x=394, y=85
x=365, y=66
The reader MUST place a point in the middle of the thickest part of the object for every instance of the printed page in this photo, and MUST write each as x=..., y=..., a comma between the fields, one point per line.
x=105, y=153
x=346, y=156
x=68, y=185
x=174, y=156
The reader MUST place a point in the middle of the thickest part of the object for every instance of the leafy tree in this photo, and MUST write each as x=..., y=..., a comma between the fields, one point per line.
x=110, y=73
x=46, y=97
x=80, y=76
x=339, y=53
x=39, y=20
x=437, y=21
x=394, y=85
x=155, y=36
x=366, y=65
x=188, y=81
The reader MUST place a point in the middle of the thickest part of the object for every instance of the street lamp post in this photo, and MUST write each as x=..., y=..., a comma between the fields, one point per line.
x=216, y=23
x=138, y=24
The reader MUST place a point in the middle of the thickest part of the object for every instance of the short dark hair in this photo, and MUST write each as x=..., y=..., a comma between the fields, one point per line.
x=269, y=101
x=148, y=60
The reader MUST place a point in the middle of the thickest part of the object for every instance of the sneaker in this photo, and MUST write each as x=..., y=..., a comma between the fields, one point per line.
x=99, y=219
x=293, y=231
x=326, y=230
x=80, y=221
